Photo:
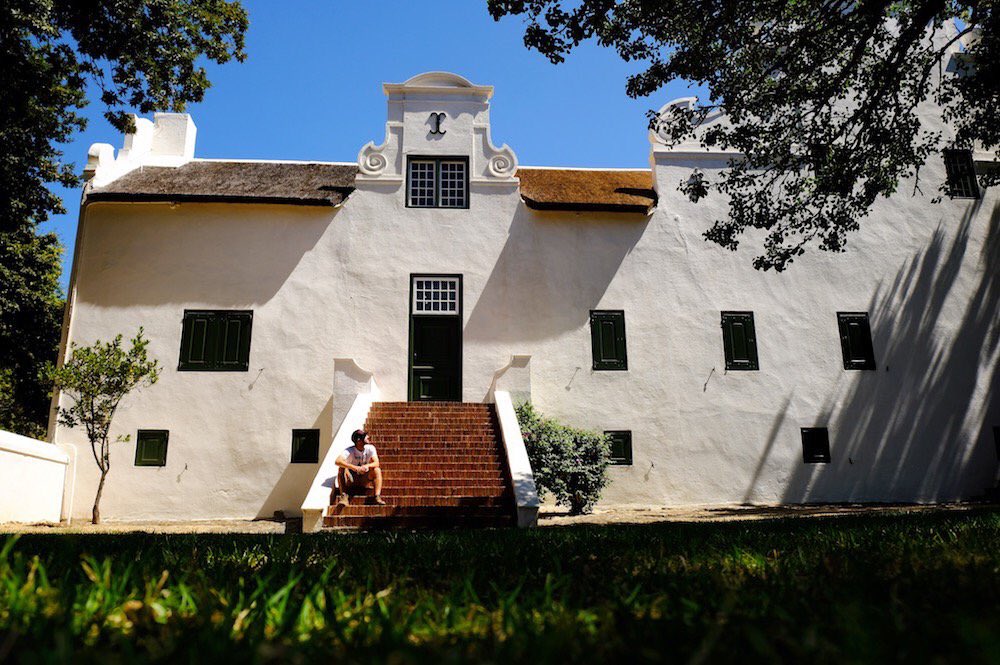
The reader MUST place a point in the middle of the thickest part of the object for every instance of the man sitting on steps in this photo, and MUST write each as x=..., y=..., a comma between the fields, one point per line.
x=359, y=467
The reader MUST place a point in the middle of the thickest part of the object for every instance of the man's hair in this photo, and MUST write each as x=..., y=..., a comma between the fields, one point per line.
x=359, y=435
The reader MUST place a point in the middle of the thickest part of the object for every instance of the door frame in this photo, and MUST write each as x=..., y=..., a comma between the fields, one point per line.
x=461, y=328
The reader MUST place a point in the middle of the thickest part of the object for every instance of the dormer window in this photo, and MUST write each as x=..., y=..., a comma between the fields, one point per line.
x=437, y=182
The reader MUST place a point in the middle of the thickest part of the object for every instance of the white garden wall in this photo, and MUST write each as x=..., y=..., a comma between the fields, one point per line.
x=34, y=478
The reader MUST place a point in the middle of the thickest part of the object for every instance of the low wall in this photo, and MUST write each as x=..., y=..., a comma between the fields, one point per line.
x=33, y=479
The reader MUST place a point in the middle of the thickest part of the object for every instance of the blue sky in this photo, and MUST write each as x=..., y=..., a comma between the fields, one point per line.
x=311, y=89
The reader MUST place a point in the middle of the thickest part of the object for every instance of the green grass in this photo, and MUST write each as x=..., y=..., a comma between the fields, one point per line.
x=915, y=588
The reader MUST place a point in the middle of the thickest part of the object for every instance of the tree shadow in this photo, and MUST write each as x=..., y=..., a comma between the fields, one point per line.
x=290, y=489
x=553, y=269
x=919, y=427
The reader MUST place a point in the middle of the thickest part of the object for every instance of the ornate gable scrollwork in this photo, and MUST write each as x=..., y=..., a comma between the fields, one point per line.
x=437, y=114
x=658, y=133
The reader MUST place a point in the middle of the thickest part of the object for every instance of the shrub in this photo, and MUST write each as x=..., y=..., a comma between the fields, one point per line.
x=567, y=462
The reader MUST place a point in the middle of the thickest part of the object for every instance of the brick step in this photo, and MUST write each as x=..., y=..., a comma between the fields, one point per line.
x=442, y=482
x=494, y=463
x=432, y=406
x=484, y=416
x=423, y=509
x=435, y=460
x=459, y=450
x=409, y=427
x=419, y=522
x=442, y=490
x=404, y=474
x=429, y=438
x=431, y=500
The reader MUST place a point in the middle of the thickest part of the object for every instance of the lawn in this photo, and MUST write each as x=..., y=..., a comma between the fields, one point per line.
x=916, y=588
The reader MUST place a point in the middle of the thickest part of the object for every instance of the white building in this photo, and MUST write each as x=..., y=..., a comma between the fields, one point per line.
x=445, y=270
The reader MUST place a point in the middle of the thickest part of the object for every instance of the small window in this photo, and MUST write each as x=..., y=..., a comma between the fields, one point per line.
x=305, y=446
x=815, y=445
x=621, y=447
x=856, y=340
x=607, y=337
x=830, y=178
x=151, y=447
x=739, y=340
x=961, y=170
x=437, y=182
x=436, y=295
x=215, y=341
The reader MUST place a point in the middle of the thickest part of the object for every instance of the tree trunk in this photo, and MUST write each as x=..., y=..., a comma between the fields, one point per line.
x=96, y=519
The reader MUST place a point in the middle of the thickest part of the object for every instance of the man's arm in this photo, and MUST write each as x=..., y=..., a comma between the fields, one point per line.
x=342, y=461
x=374, y=463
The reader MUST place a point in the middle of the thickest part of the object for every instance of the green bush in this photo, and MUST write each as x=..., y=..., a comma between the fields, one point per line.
x=570, y=463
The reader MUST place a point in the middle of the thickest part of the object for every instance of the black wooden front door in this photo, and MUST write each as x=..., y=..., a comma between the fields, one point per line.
x=435, y=358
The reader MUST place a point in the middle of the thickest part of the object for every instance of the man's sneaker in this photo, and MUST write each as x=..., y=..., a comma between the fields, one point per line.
x=379, y=501
x=344, y=500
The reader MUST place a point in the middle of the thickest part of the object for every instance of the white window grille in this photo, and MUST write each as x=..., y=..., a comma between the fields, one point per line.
x=453, y=184
x=422, y=183
x=436, y=295
x=438, y=183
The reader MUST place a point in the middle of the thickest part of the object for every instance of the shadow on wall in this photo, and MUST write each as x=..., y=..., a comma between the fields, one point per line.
x=904, y=431
x=291, y=488
x=201, y=253
x=553, y=269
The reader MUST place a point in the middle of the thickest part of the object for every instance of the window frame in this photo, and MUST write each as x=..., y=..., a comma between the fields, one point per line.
x=810, y=455
x=827, y=182
x=142, y=437
x=752, y=363
x=309, y=436
x=867, y=361
x=627, y=460
x=216, y=361
x=599, y=364
x=961, y=185
x=437, y=160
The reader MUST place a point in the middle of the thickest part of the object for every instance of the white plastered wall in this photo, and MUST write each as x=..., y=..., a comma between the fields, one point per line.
x=334, y=283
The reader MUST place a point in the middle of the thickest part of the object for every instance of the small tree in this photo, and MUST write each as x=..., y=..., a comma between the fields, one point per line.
x=96, y=378
x=570, y=463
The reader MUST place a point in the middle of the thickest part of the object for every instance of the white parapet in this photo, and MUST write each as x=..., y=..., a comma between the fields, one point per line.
x=33, y=479
x=525, y=492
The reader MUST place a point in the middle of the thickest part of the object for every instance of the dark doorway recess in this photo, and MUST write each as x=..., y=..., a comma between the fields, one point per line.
x=435, y=338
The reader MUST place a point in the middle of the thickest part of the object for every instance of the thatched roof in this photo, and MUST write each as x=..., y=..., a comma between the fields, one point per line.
x=588, y=189
x=236, y=182
x=329, y=184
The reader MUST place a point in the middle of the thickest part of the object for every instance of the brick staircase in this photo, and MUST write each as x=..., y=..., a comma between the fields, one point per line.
x=443, y=464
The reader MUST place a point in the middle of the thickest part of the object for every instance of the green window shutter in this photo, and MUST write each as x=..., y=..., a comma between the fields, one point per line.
x=198, y=341
x=234, y=340
x=305, y=446
x=739, y=341
x=856, y=340
x=621, y=447
x=607, y=339
x=151, y=447
x=216, y=340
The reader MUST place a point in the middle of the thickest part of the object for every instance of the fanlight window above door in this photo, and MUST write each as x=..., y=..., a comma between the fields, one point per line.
x=436, y=295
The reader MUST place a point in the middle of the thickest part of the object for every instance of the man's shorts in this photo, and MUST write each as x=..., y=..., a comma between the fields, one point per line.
x=354, y=481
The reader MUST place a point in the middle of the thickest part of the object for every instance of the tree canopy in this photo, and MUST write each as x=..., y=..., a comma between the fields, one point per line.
x=810, y=87
x=135, y=55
